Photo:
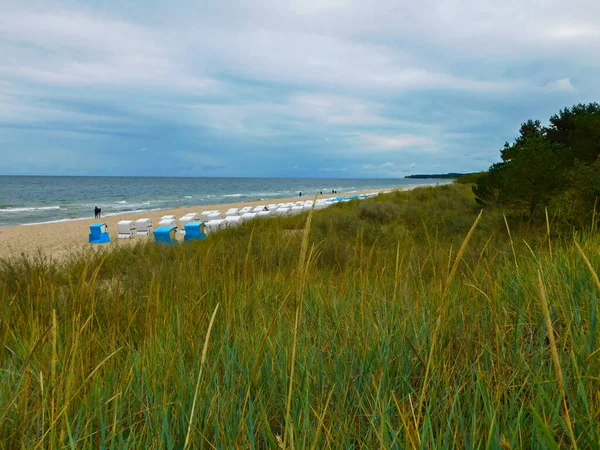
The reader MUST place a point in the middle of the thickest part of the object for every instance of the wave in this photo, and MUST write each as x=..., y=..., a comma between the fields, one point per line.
x=122, y=213
x=53, y=221
x=31, y=209
x=233, y=195
x=121, y=202
x=188, y=196
x=133, y=211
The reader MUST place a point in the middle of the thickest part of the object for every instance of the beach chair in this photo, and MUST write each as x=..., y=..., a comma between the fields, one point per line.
x=143, y=226
x=98, y=234
x=282, y=211
x=213, y=216
x=233, y=221
x=245, y=209
x=272, y=207
x=297, y=209
x=168, y=218
x=189, y=217
x=214, y=225
x=205, y=214
x=248, y=216
x=194, y=231
x=126, y=229
x=165, y=234
x=167, y=223
x=232, y=212
x=258, y=208
x=263, y=214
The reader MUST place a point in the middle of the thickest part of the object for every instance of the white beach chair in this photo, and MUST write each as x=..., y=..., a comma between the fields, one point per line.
x=249, y=216
x=245, y=209
x=167, y=223
x=143, y=226
x=263, y=214
x=168, y=218
x=233, y=221
x=232, y=212
x=282, y=211
x=214, y=225
x=297, y=209
x=259, y=208
x=126, y=229
x=215, y=215
x=205, y=214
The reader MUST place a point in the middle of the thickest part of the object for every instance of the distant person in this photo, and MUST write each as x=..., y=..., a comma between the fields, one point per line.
x=321, y=192
x=96, y=212
x=332, y=191
x=300, y=194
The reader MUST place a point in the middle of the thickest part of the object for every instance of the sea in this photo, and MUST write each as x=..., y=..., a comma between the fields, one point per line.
x=45, y=199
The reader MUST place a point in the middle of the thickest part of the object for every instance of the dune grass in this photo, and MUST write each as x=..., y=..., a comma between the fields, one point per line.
x=372, y=325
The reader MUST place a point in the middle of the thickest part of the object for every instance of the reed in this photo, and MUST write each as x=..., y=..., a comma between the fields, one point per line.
x=323, y=337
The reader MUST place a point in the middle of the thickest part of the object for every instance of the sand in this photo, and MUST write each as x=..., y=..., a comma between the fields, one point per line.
x=60, y=238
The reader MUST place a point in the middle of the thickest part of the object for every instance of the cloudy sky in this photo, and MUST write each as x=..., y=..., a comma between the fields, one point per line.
x=312, y=88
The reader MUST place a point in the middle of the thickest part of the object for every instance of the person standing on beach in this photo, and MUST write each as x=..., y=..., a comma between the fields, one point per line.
x=96, y=212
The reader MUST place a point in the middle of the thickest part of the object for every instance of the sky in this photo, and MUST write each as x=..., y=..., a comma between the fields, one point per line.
x=312, y=88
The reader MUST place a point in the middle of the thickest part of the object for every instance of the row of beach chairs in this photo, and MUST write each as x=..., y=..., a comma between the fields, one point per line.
x=215, y=220
x=197, y=225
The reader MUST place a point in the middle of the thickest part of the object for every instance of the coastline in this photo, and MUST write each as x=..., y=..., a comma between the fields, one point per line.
x=59, y=238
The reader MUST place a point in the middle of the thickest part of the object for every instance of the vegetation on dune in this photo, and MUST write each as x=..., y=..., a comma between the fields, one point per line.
x=405, y=321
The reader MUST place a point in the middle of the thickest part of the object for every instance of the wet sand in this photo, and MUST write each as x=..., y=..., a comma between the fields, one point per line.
x=60, y=238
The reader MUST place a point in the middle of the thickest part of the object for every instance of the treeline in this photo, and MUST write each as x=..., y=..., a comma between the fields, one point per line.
x=554, y=168
x=438, y=176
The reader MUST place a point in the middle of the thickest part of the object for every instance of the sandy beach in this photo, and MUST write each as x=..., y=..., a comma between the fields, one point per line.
x=60, y=238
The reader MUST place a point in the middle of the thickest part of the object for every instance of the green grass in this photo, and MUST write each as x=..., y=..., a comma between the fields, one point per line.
x=376, y=325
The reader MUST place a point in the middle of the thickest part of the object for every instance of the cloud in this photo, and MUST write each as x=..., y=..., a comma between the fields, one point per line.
x=374, y=142
x=564, y=84
x=261, y=87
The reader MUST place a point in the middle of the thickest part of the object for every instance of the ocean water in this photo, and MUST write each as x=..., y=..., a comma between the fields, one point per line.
x=32, y=199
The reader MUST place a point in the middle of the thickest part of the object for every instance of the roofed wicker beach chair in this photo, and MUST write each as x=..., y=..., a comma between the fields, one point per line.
x=126, y=229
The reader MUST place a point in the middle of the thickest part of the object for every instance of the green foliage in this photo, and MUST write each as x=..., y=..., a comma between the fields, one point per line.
x=389, y=349
x=548, y=166
x=471, y=178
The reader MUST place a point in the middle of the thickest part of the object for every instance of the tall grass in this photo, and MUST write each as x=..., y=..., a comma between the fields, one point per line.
x=322, y=338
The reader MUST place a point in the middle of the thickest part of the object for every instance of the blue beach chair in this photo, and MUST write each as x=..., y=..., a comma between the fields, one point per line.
x=165, y=235
x=194, y=231
x=98, y=234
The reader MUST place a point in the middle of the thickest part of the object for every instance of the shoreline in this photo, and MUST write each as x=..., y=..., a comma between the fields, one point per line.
x=58, y=238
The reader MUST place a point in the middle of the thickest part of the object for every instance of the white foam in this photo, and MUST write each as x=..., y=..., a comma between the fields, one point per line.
x=53, y=221
x=32, y=209
x=121, y=202
x=122, y=213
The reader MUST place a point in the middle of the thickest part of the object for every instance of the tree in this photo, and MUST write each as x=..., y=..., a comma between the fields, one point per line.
x=558, y=164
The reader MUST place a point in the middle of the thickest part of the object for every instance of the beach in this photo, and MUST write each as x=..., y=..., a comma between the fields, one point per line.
x=59, y=239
